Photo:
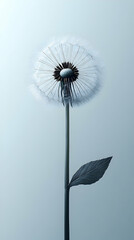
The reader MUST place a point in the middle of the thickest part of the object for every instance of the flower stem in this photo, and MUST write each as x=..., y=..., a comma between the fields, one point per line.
x=66, y=210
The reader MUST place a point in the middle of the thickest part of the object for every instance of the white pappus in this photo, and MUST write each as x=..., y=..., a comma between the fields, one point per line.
x=68, y=71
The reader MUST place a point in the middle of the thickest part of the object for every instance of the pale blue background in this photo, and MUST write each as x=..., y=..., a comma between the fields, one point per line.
x=32, y=132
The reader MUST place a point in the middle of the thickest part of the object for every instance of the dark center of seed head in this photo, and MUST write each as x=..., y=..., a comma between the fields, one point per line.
x=66, y=73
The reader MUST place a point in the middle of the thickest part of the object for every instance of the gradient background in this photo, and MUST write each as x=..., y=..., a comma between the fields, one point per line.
x=32, y=132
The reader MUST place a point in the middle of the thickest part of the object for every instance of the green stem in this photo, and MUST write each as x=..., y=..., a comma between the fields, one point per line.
x=66, y=213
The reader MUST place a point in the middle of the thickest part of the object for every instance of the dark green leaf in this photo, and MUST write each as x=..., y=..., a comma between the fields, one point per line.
x=90, y=172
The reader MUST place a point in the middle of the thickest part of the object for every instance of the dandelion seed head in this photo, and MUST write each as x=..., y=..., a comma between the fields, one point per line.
x=68, y=72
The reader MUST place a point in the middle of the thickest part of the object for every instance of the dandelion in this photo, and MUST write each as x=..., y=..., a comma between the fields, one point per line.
x=69, y=73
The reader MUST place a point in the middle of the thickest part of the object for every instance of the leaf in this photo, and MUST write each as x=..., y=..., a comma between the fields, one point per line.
x=90, y=172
